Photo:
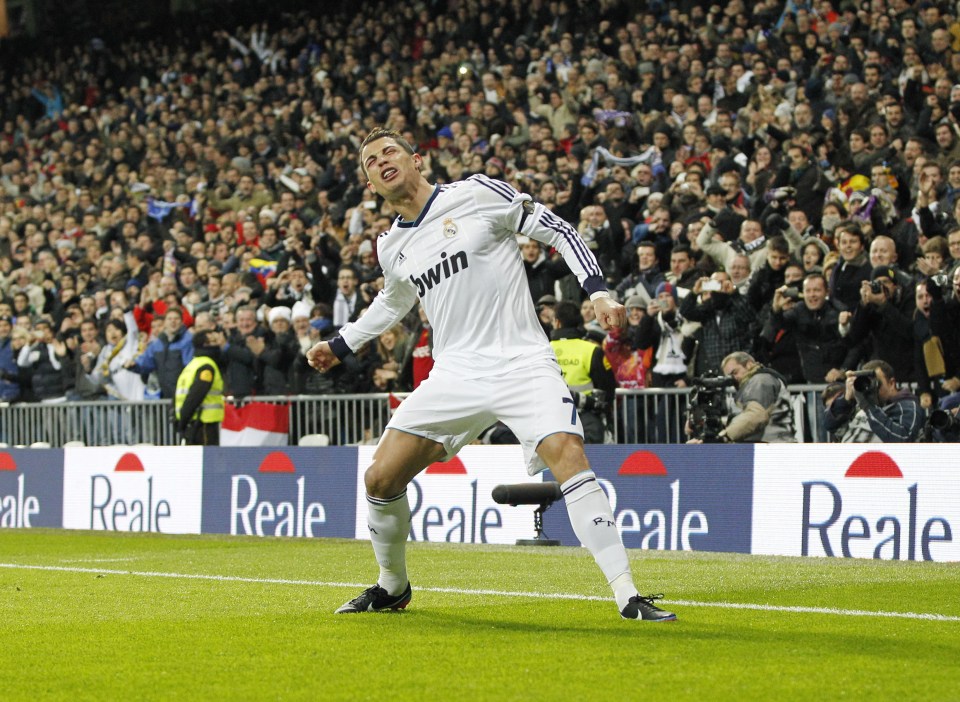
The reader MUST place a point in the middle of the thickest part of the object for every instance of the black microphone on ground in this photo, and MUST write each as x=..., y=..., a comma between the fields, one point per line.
x=527, y=494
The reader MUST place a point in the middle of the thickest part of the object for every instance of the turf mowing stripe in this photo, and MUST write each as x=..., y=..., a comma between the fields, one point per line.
x=486, y=593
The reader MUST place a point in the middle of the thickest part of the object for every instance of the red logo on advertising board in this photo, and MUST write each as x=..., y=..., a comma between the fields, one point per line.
x=642, y=463
x=129, y=463
x=874, y=464
x=452, y=467
x=7, y=462
x=277, y=462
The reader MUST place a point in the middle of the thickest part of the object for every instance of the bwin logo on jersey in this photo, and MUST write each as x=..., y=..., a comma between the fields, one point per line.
x=443, y=270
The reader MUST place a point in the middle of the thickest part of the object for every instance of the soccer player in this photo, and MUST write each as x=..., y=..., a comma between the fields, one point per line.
x=454, y=247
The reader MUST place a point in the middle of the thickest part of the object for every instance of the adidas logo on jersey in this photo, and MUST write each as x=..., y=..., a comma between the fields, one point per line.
x=441, y=271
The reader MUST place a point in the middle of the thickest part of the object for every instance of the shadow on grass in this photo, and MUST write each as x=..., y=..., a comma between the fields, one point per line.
x=852, y=639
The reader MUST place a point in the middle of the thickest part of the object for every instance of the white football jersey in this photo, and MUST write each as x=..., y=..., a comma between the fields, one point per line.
x=460, y=258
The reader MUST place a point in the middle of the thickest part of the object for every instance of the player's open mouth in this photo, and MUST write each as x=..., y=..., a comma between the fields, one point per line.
x=388, y=173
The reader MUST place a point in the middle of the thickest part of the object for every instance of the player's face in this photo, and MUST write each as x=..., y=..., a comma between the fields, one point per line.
x=391, y=171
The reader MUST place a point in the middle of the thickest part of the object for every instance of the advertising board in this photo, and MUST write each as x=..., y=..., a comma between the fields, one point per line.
x=672, y=498
x=280, y=492
x=133, y=488
x=31, y=488
x=884, y=501
x=451, y=501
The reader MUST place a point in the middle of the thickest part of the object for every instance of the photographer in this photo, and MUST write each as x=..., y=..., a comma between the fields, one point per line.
x=765, y=408
x=945, y=324
x=893, y=415
x=800, y=172
x=585, y=370
x=289, y=287
x=882, y=324
x=813, y=321
x=726, y=319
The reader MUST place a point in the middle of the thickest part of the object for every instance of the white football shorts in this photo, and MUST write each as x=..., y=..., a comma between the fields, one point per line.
x=533, y=402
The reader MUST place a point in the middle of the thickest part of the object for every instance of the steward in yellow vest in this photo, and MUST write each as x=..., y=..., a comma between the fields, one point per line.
x=199, y=400
x=586, y=371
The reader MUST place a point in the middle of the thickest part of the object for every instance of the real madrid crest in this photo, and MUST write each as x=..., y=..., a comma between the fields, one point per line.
x=449, y=228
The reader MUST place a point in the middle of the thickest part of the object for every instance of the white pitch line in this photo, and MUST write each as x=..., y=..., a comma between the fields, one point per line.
x=97, y=560
x=488, y=593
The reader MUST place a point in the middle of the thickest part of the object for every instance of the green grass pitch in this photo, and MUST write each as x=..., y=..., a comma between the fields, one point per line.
x=112, y=616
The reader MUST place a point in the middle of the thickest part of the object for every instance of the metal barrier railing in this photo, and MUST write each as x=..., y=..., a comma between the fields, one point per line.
x=658, y=415
x=648, y=416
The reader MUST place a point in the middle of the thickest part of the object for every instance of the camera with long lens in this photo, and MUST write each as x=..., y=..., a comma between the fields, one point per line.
x=708, y=406
x=943, y=420
x=594, y=401
x=865, y=381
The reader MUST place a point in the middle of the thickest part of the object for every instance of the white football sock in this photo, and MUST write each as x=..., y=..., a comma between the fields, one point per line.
x=592, y=521
x=389, y=524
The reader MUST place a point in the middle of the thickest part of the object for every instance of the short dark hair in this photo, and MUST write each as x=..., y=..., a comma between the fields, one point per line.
x=383, y=133
x=882, y=365
x=118, y=324
x=568, y=314
x=851, y=227
x=779, y=244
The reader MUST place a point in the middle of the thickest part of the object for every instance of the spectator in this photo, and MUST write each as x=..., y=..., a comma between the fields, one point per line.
x=750, y=242
x=725, y=317
x=347, y=303
x=84, y=355
x=111, y=370
x=945, y=325
x=814, y=324
x=542, y=271
x=683, y=272
x=246, y=196
x=663, y=330
x=630, y=363
x=275, y=352
x=45, y=367
x=853, y=268
x=392, y=369
x=647, y=277
x=167, y=355
x=9, y=371
x=881, y=327
x=240, y=374
x=769, y=276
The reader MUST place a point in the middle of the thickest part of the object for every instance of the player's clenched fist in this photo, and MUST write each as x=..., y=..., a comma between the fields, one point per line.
x=321, y=357
x=609, y=313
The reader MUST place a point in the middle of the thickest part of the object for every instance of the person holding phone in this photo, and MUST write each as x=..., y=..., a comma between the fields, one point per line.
x=726, y=319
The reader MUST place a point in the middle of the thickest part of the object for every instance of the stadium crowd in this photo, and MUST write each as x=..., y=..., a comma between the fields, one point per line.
x=775, y=178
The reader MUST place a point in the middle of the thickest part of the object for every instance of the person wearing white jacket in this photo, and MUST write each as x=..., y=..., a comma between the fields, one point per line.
x=123, y=345
x=119, y=382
